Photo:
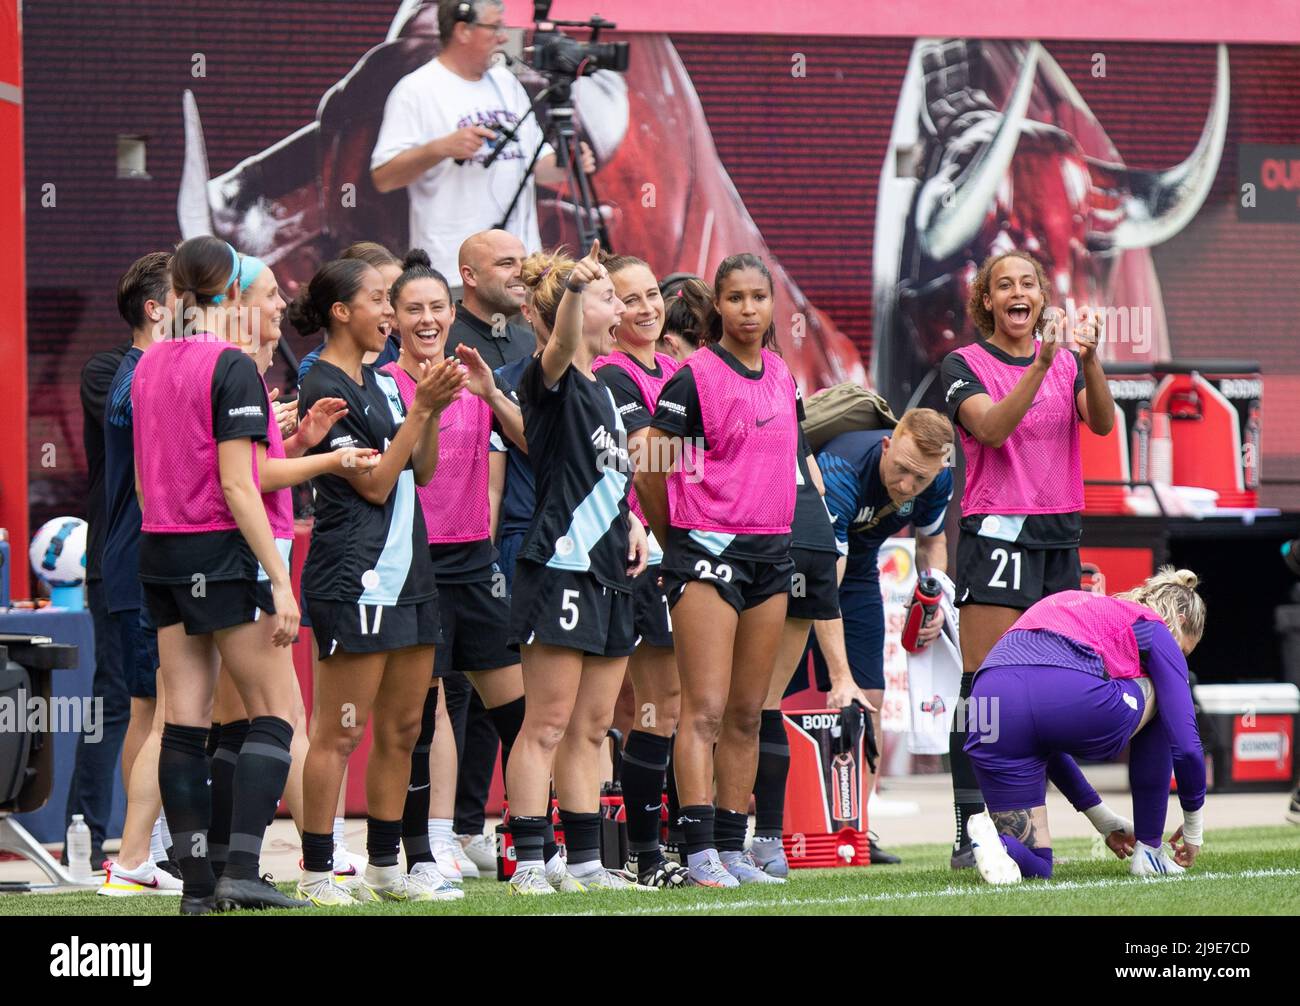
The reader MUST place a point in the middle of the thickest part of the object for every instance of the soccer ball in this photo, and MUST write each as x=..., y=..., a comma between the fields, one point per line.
x=58, y=552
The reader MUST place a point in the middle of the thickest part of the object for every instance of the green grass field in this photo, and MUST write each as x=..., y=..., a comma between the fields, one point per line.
x=1246, y=871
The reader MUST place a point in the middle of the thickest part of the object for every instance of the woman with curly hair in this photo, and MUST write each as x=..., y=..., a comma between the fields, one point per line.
x=1017, y=404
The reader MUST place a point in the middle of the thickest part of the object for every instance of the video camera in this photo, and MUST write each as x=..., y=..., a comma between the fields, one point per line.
x=560, y=57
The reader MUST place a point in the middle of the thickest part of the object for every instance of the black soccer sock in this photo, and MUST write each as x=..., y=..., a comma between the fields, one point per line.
x=214, y=738
x=967, y=800
x=507, y=719
x=478, y=758
x=317, y=852
x=260, y=775
x=415, y=813
x=528, y=834
x=729, y=827
x=549, y=846
x=697, y=826
x=581, y=837
x=645, y=762
x=773, y=769
x=670, y=786
x=187, y=799
x=382, y=840
x=224, y=759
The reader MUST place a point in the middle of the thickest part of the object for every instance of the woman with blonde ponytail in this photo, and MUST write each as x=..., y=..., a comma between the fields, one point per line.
x=1085, y=675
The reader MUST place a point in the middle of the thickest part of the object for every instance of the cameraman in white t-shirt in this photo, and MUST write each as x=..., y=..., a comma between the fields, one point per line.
x=452, y=109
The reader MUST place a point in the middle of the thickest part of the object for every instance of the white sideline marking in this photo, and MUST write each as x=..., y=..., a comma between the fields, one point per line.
x=946, y=892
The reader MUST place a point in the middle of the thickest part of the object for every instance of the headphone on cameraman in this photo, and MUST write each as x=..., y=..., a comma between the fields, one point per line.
x=465, y=12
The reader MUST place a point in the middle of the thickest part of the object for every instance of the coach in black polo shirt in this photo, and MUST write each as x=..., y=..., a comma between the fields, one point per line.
x=491, y=269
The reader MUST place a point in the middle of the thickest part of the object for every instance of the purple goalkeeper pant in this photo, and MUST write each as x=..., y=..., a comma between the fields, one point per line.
x=1018, y=717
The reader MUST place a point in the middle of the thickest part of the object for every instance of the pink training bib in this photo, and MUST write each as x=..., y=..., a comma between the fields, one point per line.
x=455, y=501
x=1103, y=624
x=176, y=455
x=1037, y=469
x=744, y=483
x=649, y=386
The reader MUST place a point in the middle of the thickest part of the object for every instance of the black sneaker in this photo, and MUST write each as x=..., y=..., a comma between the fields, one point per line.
x=1293, y=813
x=963, y=857
x=879, y=857
x=198, y=906
x=257, y=892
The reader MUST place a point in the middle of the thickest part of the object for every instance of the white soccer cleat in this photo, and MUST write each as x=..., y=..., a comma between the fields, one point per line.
x=561, y=880
x=145, y=879
x=612, y=880
x=991, y=857
x=1149, y=862
x=480, y=850
x=427, y=883
x=327, y=892
x=531, y=880
x=444, y=857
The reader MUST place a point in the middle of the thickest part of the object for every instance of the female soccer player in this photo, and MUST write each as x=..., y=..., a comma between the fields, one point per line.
x=635, y=373
x=457, y=516
x=814, y=601
x=389, y=266
x=1017, y=404
x=1084, y=674
x=199, y=408
x=687, y=302
x=369, y=583
x=571, y=613
x=730, y=419
x=258, y=312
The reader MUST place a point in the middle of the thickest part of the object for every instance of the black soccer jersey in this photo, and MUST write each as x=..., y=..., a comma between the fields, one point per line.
x=577, y=446
x=361, y=552
x=632, y=407
x=812, y=528
x=238, y=411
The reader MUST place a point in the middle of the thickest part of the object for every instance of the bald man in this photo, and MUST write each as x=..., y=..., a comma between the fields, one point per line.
x=491, y=271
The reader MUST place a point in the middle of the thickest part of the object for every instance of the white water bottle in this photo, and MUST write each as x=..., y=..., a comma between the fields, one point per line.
x=79, y=849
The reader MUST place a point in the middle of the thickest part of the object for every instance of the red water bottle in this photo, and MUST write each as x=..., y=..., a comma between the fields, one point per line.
x=921, y=610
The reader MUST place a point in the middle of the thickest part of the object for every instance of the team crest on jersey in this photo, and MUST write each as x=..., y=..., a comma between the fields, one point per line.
x=906, y=508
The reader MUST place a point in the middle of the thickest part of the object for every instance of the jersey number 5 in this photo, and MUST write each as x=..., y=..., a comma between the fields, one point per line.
x=570, y=618
x=1000, y=554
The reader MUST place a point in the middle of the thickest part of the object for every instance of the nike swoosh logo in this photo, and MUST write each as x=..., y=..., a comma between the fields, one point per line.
x=444, y=429
x=763, y=422
x=416, y=789
x=654, y=806
x=366, y=411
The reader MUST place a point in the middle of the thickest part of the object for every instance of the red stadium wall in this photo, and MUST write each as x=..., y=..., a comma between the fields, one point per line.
x=13, y=330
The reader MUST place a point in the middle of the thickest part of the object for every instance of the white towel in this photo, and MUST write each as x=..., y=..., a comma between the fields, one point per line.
x=934, y=681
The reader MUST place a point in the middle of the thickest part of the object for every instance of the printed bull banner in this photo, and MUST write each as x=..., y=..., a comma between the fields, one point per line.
x=873, y=174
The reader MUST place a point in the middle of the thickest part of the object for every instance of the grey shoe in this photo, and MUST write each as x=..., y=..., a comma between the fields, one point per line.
x=963, y=857
x=742, y=866
x=770, y=857
x=255, y=893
